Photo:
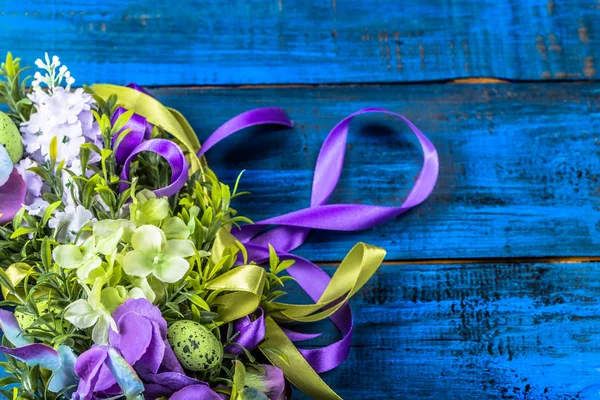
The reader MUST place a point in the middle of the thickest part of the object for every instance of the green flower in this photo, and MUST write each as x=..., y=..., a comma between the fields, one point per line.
x=153, y=254
x=84, y=258
x=107, y=236
x=91, y=312
x=146, y=209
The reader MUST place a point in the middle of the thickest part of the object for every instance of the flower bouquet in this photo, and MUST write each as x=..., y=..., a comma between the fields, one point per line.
x=127, y=274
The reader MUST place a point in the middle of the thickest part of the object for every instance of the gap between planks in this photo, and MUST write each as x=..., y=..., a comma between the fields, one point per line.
x=498, y=260
x=458, y=81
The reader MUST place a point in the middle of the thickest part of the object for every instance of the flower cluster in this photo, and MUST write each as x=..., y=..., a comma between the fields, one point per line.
x=118, y=262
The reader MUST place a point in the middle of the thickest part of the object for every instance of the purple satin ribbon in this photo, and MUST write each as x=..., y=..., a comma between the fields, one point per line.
x=259, y=116
x=250, y=333
x=170, y=152
x=140, y=130
x=137, y=140
x=291, y=230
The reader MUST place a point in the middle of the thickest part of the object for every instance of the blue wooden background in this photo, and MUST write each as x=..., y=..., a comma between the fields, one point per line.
x=492, y=288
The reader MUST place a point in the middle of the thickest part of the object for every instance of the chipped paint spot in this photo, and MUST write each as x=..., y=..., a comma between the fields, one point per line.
x=540, y=45
x=583, y=34
x=588, y=67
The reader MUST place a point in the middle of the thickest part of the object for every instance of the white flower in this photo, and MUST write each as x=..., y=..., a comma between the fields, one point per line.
x=37, y=206
x=65, y=115
x=51, y=78
x=70, y=222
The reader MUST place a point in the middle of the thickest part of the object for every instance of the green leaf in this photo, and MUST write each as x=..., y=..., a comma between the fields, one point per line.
x=18, y=218
x=22, y=231
x=49, y=211
x=197, y=300
x=121, y=121
x=53, y=151
x=273, y=259
x=92, y=147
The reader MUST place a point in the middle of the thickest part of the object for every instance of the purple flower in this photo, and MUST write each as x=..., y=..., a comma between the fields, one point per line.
x=60, y=361
x=142, y=336
x=103, y=371
x=142, y=340
x=195, y=392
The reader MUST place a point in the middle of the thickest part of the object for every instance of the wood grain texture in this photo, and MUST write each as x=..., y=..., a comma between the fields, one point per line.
x=474, y=331
x=158, y=42
x=518, y=164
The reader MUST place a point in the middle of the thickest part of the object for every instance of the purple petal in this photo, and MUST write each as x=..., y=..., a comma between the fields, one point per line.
x=150, y=361
x=145, y=308
x=87, y=367
x=152, y=391
x=135, y=334
x=172, y=380
x=112, y=391
x=196, y=392
x=272, y=382
x=105, y=381
x=35, y=354
x=12, y=330
x=12, y=196
x=170, y=363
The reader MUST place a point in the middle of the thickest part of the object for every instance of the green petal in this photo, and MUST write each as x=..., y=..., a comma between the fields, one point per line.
x=100, y=331
x=178, y=248
x=87, y=266
x=88, y=247
x=112, y=297
x=149, y=239
x=155, y=209
x=137, y=263
x=142, y=285
x=108, y=228
x=81, y=314
x=171, y=270
x=67, y=256
x=175, y=228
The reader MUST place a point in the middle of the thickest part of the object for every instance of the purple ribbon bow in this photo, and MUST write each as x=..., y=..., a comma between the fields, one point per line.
x=291, y=230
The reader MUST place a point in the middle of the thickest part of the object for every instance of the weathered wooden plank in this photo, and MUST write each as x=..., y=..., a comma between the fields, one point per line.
x=518, y=164
x=295, y=41
x=476, y=331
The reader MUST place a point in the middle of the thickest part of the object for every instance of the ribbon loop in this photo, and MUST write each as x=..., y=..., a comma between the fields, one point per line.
x=172, y=154
x=291, y=230
x=259, y=116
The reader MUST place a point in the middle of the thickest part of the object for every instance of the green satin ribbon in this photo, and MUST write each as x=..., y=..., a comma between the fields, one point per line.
x=244, y=285
x=296, y=369
x=168, y=119
x=355, y=270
